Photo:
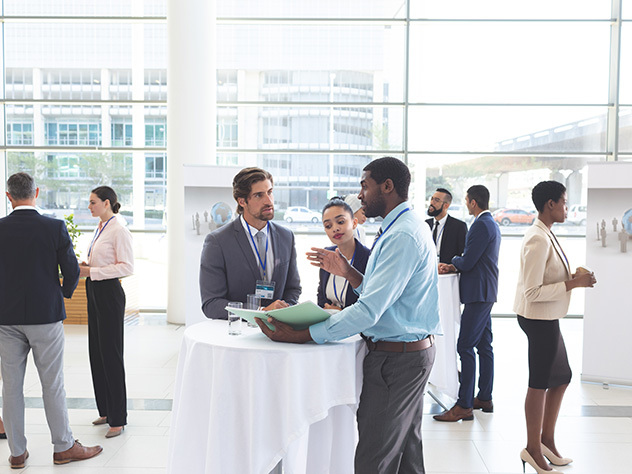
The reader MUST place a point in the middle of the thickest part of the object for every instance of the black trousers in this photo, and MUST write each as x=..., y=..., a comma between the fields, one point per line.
x=106, y=310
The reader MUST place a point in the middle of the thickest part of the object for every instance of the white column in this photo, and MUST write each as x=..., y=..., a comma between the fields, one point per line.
x=191, y=117
x=138, y=117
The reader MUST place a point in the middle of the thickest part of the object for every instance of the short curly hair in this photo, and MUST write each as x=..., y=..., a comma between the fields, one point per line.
x=545, y=191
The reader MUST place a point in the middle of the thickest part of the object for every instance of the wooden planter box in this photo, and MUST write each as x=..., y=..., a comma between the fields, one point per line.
x=77, y=306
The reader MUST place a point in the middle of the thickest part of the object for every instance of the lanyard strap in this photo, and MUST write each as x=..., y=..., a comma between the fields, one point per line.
x=568, y=265
x=263, y=262
x=98, y=234
x=388, y=227
x=346, y=283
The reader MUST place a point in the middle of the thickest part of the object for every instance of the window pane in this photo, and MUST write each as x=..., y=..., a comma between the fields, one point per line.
x=486, y=62
x=83, y=8
x=508, y=129
x=320, y=9
x=297, y=62
x=311, y=128
x=625, y=91
x=625, y=130
x=493, y=9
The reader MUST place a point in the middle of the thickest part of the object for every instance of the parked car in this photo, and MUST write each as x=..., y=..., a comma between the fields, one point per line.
x=513, y=216
x=577, y=215
x=301, y=214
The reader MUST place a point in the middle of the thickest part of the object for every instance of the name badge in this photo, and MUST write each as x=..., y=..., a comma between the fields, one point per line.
x=265, y=289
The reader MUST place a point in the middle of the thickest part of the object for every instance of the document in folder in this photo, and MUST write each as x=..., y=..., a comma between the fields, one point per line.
x=299, y=316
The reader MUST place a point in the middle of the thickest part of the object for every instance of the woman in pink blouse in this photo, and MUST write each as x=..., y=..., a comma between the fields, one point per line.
x=110, y=257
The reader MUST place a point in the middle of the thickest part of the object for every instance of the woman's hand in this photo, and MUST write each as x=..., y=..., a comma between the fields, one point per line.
x=582, y=280
x=84, y=270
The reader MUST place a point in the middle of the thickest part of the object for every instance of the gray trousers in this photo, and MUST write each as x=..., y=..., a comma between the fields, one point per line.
x=390, y=412
x=47, y=343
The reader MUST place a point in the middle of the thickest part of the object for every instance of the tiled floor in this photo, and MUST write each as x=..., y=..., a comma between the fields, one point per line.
x=595, y=426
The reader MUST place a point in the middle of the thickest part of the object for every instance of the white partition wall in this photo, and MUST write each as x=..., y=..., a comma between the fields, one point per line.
x=608, y=313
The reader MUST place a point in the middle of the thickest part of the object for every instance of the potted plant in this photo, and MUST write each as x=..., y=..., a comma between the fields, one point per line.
x=77, y=306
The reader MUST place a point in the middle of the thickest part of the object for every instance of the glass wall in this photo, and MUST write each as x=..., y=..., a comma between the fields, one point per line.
x=493, y=92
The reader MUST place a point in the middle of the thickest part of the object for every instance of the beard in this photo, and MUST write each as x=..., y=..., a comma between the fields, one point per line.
x=265, y=217
x=375, y=208
x=436, y=211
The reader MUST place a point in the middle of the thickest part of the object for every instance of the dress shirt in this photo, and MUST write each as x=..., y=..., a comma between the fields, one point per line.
x=112, y=253
x=270, y=255
x=439, y=232
x=20, y=208
x=399, y=300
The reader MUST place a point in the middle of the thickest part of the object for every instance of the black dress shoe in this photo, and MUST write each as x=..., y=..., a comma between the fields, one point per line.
x=486, y=405
x=3, y=436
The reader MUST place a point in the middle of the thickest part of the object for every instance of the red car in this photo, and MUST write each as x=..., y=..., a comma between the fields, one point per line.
x=513, y=216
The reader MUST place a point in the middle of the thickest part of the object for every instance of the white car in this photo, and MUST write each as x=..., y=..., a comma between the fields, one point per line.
x=577, y=215
x=301, y=214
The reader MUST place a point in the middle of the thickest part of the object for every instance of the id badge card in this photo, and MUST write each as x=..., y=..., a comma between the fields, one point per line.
x=265, y=289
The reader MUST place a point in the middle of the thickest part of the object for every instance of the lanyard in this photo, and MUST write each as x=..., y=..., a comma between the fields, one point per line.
x=98, y=234
x=388, y=227
x=346, y=283
x=568, y=265
x=263, y=262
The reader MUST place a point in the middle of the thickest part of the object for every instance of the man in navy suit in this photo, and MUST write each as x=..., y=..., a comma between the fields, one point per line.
x=448, y=233
x=479, y=288
x=32, y=250
x=250, y=255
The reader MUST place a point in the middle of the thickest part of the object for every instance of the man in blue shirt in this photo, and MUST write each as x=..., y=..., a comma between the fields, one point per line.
x=397, y=314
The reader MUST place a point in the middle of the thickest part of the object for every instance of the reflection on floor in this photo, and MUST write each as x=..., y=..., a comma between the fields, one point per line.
x=595, y=426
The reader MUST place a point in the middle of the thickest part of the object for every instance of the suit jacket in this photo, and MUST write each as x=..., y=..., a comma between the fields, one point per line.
x=229, y=270
x=359, y=263
x=541, y=290
x=32, y=250
x=452, y=238
x=479, y=263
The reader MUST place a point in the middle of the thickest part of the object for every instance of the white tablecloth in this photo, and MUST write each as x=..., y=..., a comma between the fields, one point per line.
x=444, y=375
x=242, y=403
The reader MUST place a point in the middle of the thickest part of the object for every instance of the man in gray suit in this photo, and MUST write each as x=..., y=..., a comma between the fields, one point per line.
x=250, y=255
x=32, y=248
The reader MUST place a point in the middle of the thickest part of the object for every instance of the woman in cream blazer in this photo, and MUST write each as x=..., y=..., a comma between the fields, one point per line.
x=542, y=298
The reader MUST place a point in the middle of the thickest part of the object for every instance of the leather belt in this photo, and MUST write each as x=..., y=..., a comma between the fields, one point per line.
x=399, y=346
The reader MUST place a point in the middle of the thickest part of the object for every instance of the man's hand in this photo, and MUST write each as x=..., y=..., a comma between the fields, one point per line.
x=446, y=268
x=331, y=261
x=332, y=306
x=283, y=332
x=278, y=304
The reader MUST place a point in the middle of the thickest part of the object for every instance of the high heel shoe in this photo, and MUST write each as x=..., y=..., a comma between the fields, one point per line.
x=553, y=459
x=114, y=431
x=526, y=458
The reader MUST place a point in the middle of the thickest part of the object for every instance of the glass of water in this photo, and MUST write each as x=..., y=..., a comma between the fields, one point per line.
x=234, y=321
x=253, y=302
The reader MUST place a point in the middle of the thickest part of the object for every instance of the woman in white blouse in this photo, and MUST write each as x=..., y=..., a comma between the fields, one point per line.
x=110, y=257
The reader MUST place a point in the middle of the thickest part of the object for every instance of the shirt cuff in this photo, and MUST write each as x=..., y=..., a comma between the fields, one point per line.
x=319, y=333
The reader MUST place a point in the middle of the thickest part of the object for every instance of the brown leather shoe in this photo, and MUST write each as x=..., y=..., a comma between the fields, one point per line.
x=17, y=462
x=77, y=453
x=486, y=405
x=455, y=413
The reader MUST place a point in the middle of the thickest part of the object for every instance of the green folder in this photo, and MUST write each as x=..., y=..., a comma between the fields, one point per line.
x=299, y=316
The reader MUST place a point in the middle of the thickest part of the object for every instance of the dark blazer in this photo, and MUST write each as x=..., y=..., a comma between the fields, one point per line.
x=359, y=263
x=229, y=270
x=452, y=238
x=479, y=263
x=32, y=248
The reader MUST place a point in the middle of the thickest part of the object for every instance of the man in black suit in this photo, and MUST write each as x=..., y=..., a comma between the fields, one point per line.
x=32, y=249
x=448, y=233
